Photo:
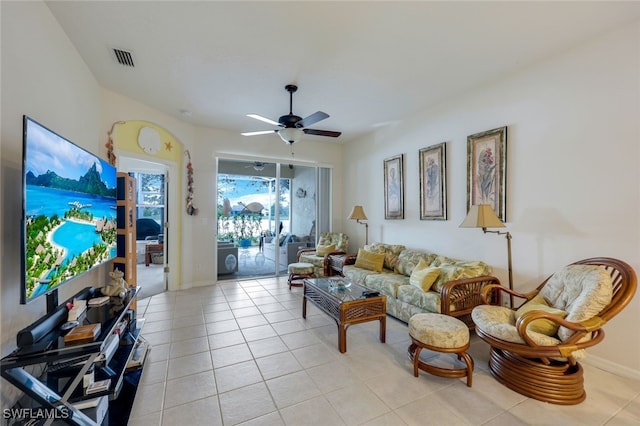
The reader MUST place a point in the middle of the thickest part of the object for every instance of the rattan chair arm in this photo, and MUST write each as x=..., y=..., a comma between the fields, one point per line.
x=580, y=328
x=500, y=289
x=350, y=259
x=304, y=250
x=465, y=294
x=593, y=324
x=326, y=256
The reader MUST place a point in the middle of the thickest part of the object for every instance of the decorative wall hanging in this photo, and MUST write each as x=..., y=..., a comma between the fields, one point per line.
x=394, y=188
x=149, y=140
x=486, y=170
x=433, y=182
x=191, y=209
x=111, y=157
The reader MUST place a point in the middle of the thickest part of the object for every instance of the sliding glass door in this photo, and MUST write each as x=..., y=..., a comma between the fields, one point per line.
x=266, y=214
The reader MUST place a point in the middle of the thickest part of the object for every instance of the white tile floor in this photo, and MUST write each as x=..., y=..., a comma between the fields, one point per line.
x=240, y=353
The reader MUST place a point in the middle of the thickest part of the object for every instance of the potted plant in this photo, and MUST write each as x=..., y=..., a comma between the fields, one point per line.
x=243, y=228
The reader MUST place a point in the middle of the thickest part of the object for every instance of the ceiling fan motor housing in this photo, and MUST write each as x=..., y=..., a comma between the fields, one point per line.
x=289, y=120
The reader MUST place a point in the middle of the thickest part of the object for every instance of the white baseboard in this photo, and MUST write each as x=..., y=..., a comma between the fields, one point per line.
x=611, y=367
x=197, y=284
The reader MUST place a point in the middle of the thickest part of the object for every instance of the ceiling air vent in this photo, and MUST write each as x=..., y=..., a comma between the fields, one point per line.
x=123, y=57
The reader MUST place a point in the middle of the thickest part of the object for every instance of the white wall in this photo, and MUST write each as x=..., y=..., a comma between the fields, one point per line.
x=572, y=172
x=43, y=77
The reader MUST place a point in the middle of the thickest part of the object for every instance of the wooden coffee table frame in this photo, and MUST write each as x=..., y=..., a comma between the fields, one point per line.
x=346, y=313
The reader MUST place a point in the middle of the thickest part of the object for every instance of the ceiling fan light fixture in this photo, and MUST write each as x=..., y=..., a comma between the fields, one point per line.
x=290, y=135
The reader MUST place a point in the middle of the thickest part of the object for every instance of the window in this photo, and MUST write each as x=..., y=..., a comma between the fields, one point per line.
x=151, y=197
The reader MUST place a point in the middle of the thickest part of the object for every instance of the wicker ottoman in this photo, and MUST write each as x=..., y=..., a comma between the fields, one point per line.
x=298, y=272
x=440, y=333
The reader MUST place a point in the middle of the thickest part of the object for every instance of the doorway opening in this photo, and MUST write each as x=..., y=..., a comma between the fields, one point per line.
x=151, y=219
x=150, y=236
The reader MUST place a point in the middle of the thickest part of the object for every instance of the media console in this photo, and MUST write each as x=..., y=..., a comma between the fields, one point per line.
x=61, y=367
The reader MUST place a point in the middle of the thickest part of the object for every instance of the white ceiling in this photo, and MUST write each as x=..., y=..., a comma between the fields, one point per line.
x=365, y=63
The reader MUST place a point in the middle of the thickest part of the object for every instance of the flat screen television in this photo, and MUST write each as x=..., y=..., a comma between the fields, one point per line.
x=69, y=220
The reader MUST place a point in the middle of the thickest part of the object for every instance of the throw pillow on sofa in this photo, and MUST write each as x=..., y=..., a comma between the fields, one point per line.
x=323, y=250
x=408, y=259
x=543, y=326
x=369, y=260
x=391, y=253
x=423, y=276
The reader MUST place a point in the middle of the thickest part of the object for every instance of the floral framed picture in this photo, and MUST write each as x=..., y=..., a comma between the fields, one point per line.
x=433, y=182
x=486, y=170
x=394, y=188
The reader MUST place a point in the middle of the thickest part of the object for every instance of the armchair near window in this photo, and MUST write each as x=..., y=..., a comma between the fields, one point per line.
x=535, y=349
x=329, y=243
x=288, y=247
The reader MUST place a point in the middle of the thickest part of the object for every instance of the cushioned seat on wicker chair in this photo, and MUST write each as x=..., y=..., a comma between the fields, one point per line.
x=329, y=243
x=535, y=349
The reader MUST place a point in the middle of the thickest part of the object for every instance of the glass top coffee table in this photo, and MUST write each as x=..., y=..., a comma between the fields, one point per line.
x=345, y=303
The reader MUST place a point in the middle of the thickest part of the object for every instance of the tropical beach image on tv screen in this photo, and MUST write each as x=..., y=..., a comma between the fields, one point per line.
x=70, y=210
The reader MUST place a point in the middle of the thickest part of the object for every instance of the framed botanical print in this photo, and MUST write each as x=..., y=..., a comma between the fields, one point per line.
x=394, y=188
x=433, y=182
x=486, y=170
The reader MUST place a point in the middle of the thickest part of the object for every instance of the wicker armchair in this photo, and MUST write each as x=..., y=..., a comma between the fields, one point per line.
x=319, y=255
x=545, y=366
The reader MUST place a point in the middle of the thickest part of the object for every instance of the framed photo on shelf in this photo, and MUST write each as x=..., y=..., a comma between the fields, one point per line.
x=433, y=182
x=486, y=170
x=393, y=188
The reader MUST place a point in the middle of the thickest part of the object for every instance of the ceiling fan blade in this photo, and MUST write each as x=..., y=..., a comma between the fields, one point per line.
x=329, y=133
x=261, y=132
x=265, y=119
x=311, y=119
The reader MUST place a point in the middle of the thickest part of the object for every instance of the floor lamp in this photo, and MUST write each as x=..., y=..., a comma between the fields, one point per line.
x=483, y=216
x=358, y=214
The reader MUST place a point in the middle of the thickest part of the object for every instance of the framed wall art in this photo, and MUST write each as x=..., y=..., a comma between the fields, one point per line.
x=486, y=170
x=433, y=182
x=394, y=188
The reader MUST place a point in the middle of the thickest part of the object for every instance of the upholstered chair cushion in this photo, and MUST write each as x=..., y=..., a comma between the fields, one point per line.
x=499, y=321
x=340, y=240
x=323, y=250
x=423, y=276
x=580, y=290
x=544, y=326
x=369, y=260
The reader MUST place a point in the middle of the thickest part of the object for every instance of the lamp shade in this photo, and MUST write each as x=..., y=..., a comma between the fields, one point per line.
x=358, y=213
x=290, y=134
x=481, y=216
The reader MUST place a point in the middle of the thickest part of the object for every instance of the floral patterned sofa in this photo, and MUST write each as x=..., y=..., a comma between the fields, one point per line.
x=329, y=243
x=456, y=290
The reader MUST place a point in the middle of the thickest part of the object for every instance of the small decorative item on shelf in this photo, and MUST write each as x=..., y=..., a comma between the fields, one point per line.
x=118, y=286
x=191, y=209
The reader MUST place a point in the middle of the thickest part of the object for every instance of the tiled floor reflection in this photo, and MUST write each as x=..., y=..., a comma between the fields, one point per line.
x=239, y=352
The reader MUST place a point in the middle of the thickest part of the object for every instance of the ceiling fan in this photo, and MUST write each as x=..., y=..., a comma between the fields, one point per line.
x=291, y=126
x=258, y=166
